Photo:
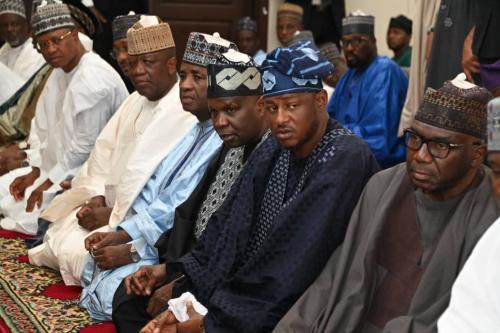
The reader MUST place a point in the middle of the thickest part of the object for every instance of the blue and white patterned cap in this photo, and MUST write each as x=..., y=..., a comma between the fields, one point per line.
x=299, y=68
x=203, y=49
x=358, y=22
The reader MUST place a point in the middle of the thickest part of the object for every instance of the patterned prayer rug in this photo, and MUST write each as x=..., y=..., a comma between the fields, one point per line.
x=34, y=299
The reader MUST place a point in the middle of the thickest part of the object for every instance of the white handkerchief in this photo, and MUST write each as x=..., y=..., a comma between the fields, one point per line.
x=178, y=306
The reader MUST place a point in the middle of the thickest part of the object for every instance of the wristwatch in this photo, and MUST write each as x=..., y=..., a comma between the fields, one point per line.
x=134, y=255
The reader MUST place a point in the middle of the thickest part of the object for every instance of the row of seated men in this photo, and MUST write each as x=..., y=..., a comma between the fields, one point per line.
x=224, y=197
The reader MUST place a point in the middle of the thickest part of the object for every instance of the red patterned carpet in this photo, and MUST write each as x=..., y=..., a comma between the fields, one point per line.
x=34, y=299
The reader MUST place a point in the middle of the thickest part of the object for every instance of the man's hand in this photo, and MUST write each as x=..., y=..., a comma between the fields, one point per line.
x=21, y=183
x=143, y=281
x=13, y=151
x=94, y=218
x=36, y=197
x=94, y=214
x=95, y=202
x=470, y=62
x=114, y=256
x=99, y=240
x=194, y=324
x=8, y=163
x=165, y=322
x=65, y=185
x=159, y=300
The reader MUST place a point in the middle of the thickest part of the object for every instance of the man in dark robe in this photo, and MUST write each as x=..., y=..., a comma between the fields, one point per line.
x=454, y=20
x=240, y=121
x=286, y=213
x=413, y=228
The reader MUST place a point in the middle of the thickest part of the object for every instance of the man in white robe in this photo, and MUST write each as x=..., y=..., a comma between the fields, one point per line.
x=79, y=98
x=9, y=83
x=475, y=297
x=145, y=128
x=18, y=52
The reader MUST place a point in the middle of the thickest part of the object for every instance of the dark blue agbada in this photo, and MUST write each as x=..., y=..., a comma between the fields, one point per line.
x=274, y=233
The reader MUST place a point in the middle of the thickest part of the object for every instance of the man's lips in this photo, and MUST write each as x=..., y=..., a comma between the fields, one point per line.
x=142, y=83
x=187, y=98
x=283, y=134
x=420, y=175
x=54, y=59
x=227, y=136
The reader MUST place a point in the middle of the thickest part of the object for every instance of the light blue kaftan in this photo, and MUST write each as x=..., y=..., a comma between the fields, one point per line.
x=152, y=214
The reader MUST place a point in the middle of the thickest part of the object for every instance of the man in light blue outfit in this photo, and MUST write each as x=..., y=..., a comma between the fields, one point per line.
x=170, y=185
x=369, y=98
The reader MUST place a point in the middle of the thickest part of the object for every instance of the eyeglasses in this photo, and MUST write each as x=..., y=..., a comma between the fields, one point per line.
x=115, y=51
x=355, y=42
x=56, y=41
x=438, y=149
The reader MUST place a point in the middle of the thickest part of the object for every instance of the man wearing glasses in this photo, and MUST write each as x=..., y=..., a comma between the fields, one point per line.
x=369, y=98
x=80, y=95
x=414, y=226
x=119, y=53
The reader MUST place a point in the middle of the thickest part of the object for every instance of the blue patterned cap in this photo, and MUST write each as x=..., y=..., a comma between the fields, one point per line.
x=299, y=68
x=203, y=49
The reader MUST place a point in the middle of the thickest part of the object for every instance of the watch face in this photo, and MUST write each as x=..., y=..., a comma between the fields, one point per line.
x=135, y=256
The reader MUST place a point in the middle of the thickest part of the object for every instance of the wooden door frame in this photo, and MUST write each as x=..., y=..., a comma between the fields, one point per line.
x=256, y=12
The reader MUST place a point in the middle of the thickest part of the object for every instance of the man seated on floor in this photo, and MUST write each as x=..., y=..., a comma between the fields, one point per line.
x=80, y=96
x=240, y=121
x=18, y=52
x=475, y=294
x=141, y=211
x=369, y=98
x=116, y=254
x=16, y=113
x=413, y=228
x=150, y=120
x=120, y=26
x=284, y=216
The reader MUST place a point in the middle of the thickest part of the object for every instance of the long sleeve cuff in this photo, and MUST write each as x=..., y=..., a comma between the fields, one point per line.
x=34, y=158
x=57, y=174
x=144, y=250
x=88, y=3
x=131, y=227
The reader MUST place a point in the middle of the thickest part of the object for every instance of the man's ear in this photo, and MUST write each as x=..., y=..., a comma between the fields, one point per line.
x=260, y=106
x=321, y=99
x=172, y=65
x=479, y=156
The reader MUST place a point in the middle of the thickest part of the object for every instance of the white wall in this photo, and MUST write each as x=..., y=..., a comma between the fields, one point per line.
x=383, y=10
x=272, y=38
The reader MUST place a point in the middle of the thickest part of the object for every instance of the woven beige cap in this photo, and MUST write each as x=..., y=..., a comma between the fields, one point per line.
x=290, y=9
x=149, y=35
